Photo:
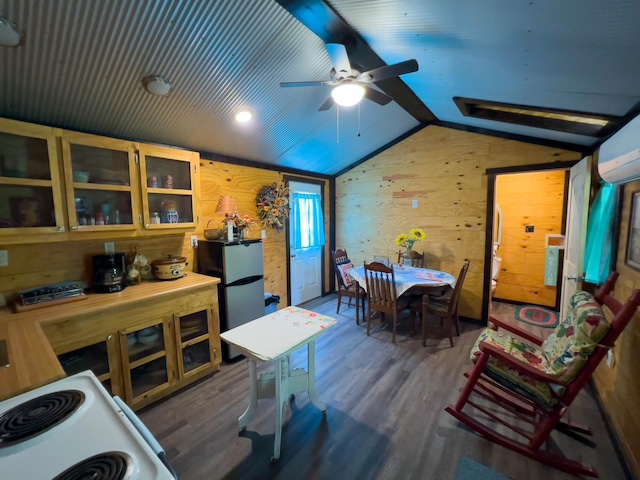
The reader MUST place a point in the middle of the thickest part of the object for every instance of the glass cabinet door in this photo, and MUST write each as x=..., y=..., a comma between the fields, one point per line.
x=144, y=359
x=102, y=181
x=169, y=184
x=195, y=351
x=99, y=357
x=30, y=183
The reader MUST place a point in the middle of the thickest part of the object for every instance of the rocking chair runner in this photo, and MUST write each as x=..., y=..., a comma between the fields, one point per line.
x=535, y=384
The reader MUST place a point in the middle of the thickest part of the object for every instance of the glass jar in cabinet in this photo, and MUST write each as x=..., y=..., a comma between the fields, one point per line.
x=31, y=190
x=148, y=369
x=102, y=183
x=170, y=186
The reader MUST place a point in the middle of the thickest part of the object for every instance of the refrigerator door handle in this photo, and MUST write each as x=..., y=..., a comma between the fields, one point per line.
x=245, y=281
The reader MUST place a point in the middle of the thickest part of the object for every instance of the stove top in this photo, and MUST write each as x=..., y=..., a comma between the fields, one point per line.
x=72, y=429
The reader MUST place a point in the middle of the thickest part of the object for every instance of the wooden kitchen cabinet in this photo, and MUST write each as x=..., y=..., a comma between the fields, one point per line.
x=30, y=181
x=102, y=183
x=170, y=187
x=82, y=186
x=150, y=340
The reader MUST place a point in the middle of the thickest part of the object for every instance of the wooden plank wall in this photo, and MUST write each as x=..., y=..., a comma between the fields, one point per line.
x=32, y=265
x=243, y=183
x=618, y=386
x=444, y=169
x=528, y=199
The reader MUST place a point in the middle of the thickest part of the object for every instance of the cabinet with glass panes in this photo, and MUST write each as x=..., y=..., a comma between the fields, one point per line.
x=30, y=181
x=102, y=183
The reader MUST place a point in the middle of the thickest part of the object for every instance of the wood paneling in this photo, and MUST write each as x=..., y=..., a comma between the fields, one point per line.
x=444, y=170
x=244, y=183
x=528, y=199
x=619, y=386
x=32, y=265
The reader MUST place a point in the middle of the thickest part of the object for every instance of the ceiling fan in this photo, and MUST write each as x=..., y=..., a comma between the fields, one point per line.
x=351, y=84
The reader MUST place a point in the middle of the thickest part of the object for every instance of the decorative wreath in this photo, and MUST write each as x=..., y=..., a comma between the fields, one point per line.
x=272, y=203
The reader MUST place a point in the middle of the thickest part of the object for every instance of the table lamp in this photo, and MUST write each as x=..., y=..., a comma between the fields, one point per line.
x=227, y=205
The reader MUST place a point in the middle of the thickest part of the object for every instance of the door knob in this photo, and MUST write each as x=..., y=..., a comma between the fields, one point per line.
x=575, y=277
x=293, y=256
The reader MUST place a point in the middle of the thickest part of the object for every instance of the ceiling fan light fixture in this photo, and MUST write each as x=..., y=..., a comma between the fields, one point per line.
x=348, y=94
x=10, y=34
x=243, y=116
x=157, y=85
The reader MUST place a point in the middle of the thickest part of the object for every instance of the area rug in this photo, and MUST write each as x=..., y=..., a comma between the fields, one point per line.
x=471, y=470
x=537, y=316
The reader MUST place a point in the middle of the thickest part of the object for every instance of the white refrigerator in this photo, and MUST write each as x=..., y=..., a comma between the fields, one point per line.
x=240, y=267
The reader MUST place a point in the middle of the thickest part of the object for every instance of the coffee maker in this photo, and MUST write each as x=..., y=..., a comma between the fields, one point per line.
x=109, y=273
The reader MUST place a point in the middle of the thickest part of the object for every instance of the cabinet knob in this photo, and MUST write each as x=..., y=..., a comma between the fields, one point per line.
x=146, y=226
x=61, y=229
x=74, y=227
x=110, y=337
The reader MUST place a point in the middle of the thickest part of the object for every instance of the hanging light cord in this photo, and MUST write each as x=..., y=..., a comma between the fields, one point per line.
x=337, y=123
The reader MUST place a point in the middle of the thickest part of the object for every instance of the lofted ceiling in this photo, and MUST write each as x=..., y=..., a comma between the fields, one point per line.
x=80, y=65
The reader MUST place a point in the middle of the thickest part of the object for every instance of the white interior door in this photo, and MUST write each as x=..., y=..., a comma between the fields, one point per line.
x=305, y=263
x=575, y=230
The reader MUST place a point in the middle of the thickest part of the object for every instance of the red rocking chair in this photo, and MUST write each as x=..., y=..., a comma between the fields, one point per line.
x=535, y=382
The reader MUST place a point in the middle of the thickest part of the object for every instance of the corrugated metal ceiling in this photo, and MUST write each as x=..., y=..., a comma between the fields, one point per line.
x=82, y=62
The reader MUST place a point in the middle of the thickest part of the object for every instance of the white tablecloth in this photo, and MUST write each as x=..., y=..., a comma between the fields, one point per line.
x=407, y=277
x=278, y=333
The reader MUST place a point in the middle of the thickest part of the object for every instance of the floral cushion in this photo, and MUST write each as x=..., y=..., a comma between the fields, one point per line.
x=345, y=276
x=562, y=354
x=525, y=352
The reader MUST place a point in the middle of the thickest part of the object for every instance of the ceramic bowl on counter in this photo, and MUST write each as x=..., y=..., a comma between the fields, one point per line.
x=149, y=335
x=170, y=268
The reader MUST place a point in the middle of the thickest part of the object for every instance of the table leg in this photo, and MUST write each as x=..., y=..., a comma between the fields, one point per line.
x=244, y=419
x=311, y=359
x=425, y=310
x=281, y=394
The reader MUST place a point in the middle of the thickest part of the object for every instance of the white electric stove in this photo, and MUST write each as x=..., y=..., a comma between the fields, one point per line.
x=73, y=429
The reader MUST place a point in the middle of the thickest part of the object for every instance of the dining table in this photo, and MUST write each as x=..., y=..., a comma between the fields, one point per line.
x=413, y=281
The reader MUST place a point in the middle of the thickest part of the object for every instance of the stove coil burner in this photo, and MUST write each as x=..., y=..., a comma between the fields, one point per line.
x=104, y=466
x=36, y=416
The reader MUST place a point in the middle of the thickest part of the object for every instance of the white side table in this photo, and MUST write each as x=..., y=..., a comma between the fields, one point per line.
x=273, y=338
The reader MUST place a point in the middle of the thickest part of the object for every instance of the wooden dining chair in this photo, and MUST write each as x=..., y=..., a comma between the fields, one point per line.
x=444, y=306
x=345, y=285
x=412, y=258
x=381, y=294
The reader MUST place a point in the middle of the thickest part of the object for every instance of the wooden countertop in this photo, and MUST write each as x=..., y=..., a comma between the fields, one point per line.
x=33, y=362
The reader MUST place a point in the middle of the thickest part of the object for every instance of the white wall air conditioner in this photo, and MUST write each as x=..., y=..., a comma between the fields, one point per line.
x=619, y=156
x=622, y=169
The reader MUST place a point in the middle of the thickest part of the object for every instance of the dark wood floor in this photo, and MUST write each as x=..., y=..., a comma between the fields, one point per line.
x=384, y=420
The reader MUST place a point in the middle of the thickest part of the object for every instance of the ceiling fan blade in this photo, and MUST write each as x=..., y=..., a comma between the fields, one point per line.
x=338, y=54
x=306, y=84
x=376, y=96
x=327, y=104
x=389, y=71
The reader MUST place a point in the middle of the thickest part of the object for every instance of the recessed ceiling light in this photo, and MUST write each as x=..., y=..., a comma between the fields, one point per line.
x=243, y=116
x=10, y=34
x=157, y=85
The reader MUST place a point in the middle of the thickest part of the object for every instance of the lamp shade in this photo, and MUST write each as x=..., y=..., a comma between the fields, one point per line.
x=226, y=205
x=347, y=94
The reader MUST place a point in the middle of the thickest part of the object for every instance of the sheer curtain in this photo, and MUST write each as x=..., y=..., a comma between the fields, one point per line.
x=307, y=220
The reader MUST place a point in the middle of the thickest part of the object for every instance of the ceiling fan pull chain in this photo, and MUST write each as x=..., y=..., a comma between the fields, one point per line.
x=337, y=124
x=358, y=119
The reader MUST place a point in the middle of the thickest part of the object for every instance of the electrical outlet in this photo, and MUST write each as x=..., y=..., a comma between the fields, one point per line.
x=4, y=258
x=264, y=234
x=414, y=203
x=194, y=240
x=109, y=248
x=529, y=228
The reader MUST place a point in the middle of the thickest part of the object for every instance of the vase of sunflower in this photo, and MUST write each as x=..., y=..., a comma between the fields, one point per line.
x=407, y=241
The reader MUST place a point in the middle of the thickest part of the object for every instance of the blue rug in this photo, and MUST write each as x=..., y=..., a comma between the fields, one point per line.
x=471, y=470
